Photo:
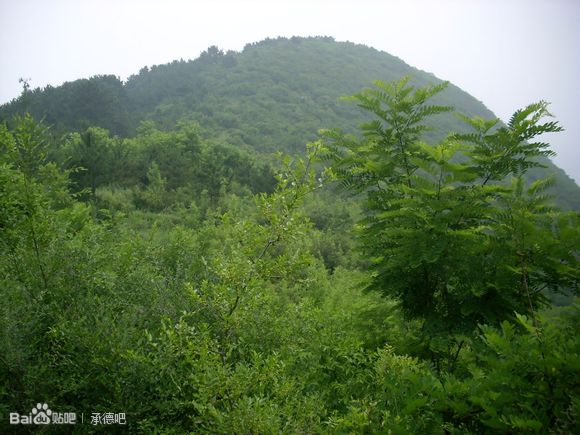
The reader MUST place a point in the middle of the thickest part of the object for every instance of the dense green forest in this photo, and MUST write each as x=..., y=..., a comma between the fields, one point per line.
x=225, y=245
x=273, y=96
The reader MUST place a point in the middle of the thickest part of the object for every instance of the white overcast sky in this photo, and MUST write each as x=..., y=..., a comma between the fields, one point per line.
x=506, y=53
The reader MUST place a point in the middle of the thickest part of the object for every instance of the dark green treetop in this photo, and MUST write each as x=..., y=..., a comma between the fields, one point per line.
x=448, y=238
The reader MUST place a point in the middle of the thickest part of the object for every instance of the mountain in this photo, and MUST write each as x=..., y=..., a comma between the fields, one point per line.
x=273, y=95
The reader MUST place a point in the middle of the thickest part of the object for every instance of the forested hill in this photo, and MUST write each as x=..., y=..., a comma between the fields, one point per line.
x=273, y=95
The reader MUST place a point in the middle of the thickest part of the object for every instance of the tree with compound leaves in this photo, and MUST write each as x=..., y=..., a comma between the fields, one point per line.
x=447, y=237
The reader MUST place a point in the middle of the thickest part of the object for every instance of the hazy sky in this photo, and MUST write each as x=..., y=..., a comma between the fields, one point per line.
x=506, y=53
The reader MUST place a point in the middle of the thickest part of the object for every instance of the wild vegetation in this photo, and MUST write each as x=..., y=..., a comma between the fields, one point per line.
x=404, y=277
x=273, y=96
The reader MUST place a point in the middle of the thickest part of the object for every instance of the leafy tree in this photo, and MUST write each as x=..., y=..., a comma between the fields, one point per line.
x=37, y=217
x=452, y=243
x=155, y=195
x=92, y=152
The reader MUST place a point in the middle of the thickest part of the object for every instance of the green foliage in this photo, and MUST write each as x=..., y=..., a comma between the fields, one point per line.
x=391, y=149
x=507, y=150
x=99, y=100
x=274, y=95
x=454, y=249
x=523, y=380
x=96, y=156
x=156, y=191
x=171, y=166
x=197, y=292
x=79, y=295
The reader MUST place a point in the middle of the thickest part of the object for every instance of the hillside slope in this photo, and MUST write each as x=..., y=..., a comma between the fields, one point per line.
x=273, y=95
